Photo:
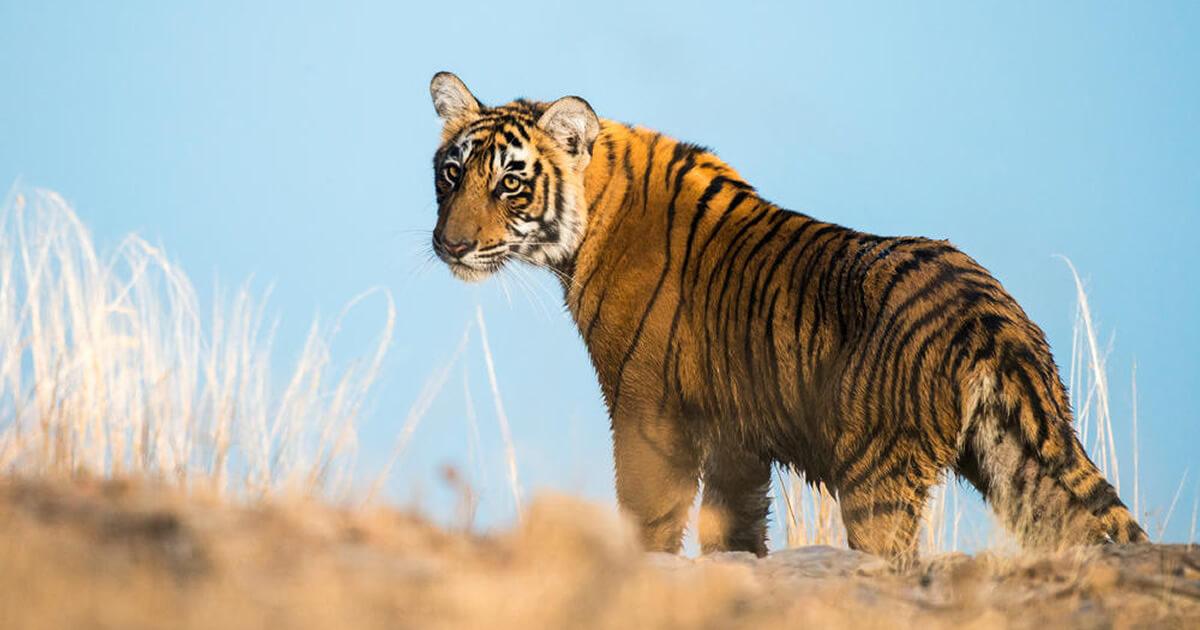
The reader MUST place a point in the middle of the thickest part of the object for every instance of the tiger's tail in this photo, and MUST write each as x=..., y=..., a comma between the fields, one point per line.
x=1020, y=450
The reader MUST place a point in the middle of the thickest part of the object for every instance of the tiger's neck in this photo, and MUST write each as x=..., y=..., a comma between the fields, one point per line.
x=649, y=199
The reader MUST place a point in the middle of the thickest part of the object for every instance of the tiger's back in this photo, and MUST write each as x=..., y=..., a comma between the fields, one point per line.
x=728, y=333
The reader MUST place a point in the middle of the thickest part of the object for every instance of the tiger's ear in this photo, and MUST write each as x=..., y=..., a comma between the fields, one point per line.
x=451, y=98
x=571, y=121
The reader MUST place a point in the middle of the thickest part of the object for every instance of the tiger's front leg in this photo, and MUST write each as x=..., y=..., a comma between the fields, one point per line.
x=657, y=468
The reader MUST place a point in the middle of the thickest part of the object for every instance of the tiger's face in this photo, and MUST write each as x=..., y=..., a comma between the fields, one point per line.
x=508, y=179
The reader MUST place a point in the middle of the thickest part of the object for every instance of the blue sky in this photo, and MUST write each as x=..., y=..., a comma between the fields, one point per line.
x=292, y=143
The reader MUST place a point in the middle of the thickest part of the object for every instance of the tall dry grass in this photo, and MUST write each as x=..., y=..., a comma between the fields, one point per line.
x=109, y=366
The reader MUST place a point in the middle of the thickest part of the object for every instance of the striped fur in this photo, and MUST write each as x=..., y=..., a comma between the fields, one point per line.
x=729, y=333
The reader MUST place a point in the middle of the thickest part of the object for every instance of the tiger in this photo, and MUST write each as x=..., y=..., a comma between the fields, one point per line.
x=730, y=335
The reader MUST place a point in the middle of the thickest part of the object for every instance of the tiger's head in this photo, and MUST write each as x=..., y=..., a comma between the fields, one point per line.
x=508, y=179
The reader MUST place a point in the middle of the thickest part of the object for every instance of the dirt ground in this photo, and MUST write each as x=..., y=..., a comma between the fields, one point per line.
x=129, y=555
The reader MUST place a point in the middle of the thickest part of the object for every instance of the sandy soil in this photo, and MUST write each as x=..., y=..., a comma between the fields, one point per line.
x=129, y=555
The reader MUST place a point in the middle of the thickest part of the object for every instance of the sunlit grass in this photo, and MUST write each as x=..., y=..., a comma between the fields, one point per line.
x=109, y=366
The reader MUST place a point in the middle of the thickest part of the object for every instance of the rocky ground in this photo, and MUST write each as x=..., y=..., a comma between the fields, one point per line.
x=128, y=555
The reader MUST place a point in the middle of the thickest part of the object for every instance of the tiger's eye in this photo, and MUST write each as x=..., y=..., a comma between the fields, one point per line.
x=451, y=171
x=511, y=183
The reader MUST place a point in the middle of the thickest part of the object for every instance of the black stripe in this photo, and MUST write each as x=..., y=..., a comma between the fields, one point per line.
x=1009, y=366
x=885, y=347
x=770, y=237
x=611, y=156
x=728, y=331
x=559, y=201
x=626, y=204
x=880, y=509
x=701, y=208
x=803, y=368
x=731, y=249
x=729, y=262
x=649, y=169
x=587, y=335
x=637, y=335
x=823, y=297
x=895, y=349
x=716, y=229
x=787, y=248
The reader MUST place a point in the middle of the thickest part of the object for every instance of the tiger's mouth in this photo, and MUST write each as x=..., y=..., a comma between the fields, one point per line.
x=477, y=265
x=472, y=267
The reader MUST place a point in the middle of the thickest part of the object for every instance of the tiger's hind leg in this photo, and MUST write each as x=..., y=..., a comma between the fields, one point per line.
x=733, y=511
x=883, y=516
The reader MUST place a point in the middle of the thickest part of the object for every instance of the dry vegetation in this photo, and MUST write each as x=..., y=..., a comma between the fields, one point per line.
x=108, y=366
x=153, y=475
x=112, y=554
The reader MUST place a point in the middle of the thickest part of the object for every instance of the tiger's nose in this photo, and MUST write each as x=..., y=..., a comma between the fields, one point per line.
x=457, y=248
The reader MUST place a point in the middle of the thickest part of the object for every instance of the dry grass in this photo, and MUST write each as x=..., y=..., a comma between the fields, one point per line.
x=510, y=452
x=127, y=555
x=109, y=367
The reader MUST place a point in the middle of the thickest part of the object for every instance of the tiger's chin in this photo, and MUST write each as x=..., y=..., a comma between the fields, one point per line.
x=468, y=273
